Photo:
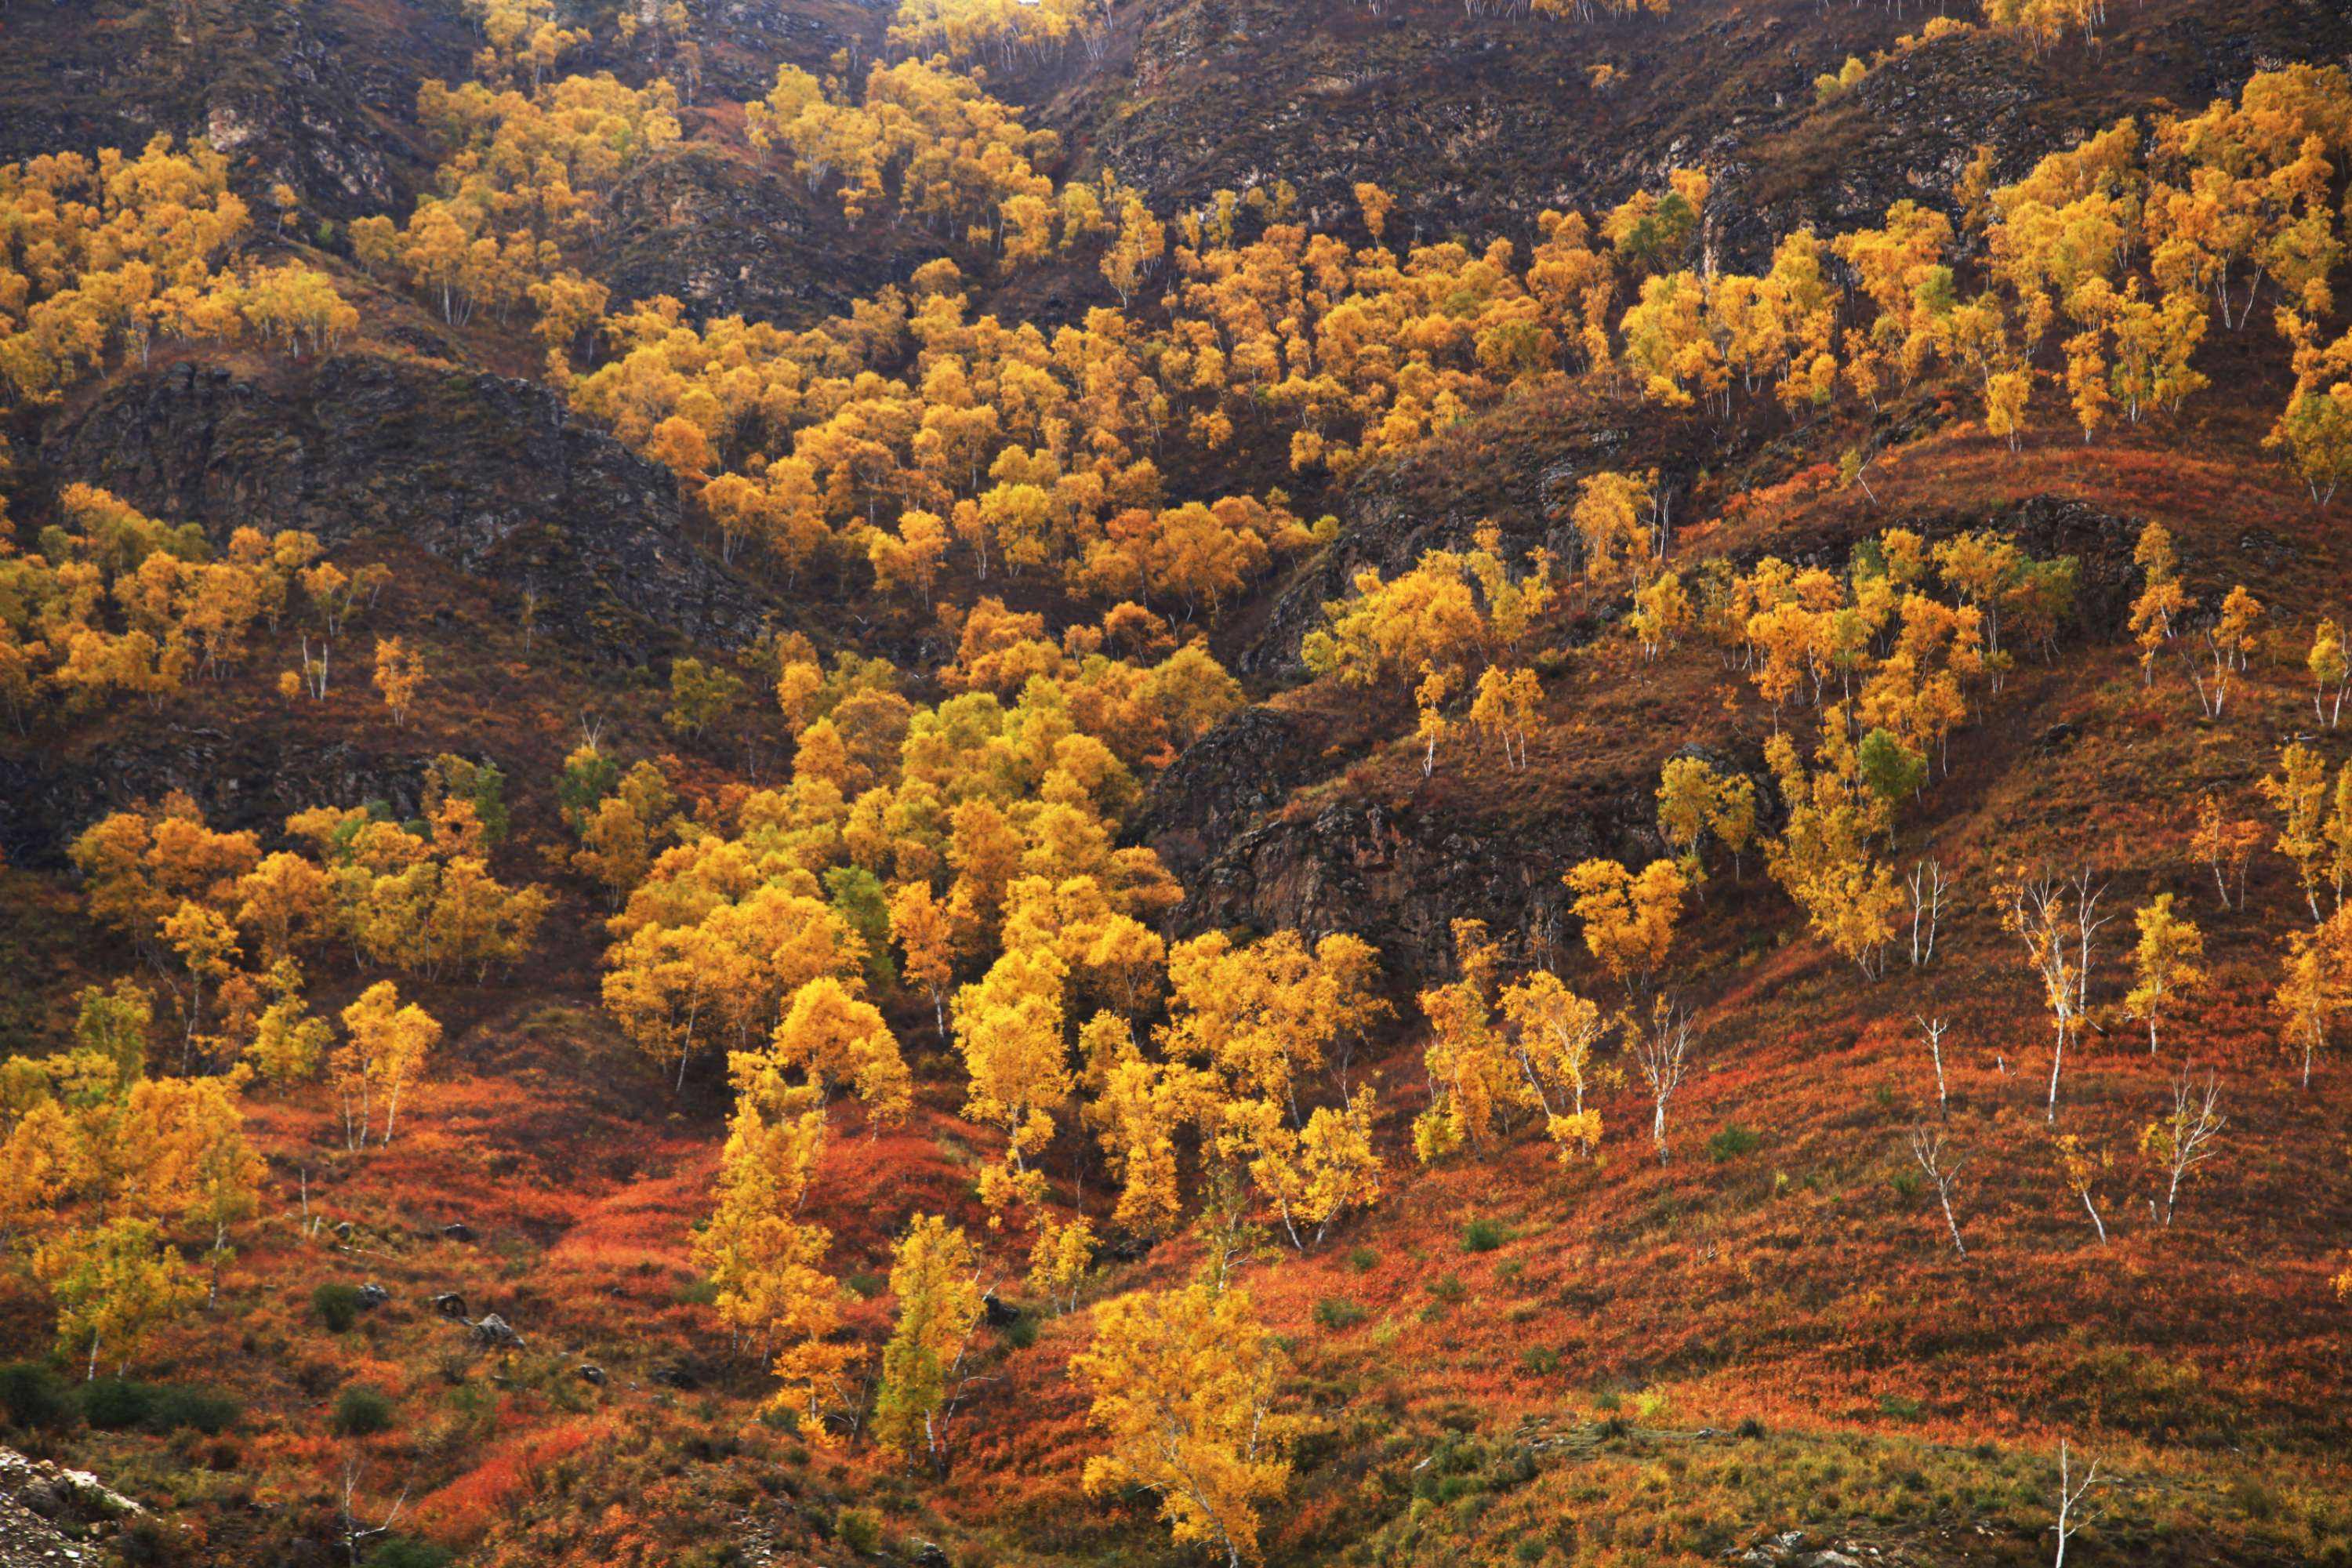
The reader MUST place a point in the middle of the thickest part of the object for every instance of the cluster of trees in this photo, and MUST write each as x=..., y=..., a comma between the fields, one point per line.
x=2132, y=242
x=963, y=853
x=2315, y=837
x=908, y=434
x=111, y=604
x=1006, y=29
x=524, y=183
x=953, y=155
x=1893, y=669
x=229, y=926
x=107, y=257
x=116, y=1178
x=939, y=828
x=521, y=37
x=992, y=449
x=1449, y=625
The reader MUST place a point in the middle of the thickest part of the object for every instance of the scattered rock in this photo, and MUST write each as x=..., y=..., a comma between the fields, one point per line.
x=373, y=1294
x=49, y=1514
x=495, y=1334
x=676, y=1374
x=1793, y=1549
x=590, y=1373
x=457, y=1232
x=927, y=1554
x=449, y=1304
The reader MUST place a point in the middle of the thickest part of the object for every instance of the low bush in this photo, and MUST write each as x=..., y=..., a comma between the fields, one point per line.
x=336, y=1305
x=1733, y=1142
x=1336, y=1312
x=361, y=1412
x=33, y=1397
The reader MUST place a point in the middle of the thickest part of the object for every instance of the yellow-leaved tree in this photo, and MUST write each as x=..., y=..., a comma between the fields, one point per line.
x=382, y=1057
x=772, y=1293
x=1184, y=1384
x=937, y=1282
x=1629, y=916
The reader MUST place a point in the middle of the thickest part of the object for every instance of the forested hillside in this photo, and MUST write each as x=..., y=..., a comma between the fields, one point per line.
x=1022, y=782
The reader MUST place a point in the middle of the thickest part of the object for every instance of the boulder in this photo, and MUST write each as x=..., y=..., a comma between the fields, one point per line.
x=494, y=1332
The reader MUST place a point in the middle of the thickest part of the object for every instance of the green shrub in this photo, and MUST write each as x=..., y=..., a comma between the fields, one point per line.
x=860, y=1531
x=336, y=1305
x=116, y=1403
x=406, y=1552
x=1484, y=1235
x=361, y=1412
x=1901, y=1407
x=32, y=1396
x=1362, y=1259
x=178, y=1408
x=1541, y=1360
x=1022, y=1332
x=1336, y=1313
x=2255, y=1500
x=1905, y=1182
x=1733, y=1142
x=1448, y=1288
x=119, y=1403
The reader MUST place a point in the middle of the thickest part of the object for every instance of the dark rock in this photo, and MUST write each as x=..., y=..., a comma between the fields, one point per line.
x=726, y=237
x=373, y=1294
x=449, y=1304
x=927, y=1554
x=590, y=1373
x=50, y=793
x=343, y=1229
x=320, y=97
x=1399, y=877
x=494, y=1332
x=491, y=476
x=459, y=1231
x=677, y=1374
x=1223, y=782
x=999, y=1313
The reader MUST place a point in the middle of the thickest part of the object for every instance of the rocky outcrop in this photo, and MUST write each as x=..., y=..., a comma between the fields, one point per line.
x=50, y=1515
x=1522, y=479
x=48, y=794
x=726, y=236
x=1399, y=877
x=1795, y=1549
x=322, y=98
x=1223, y=782
x=491, y=476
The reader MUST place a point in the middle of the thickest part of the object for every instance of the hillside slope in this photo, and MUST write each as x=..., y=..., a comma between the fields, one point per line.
x=819, y=730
